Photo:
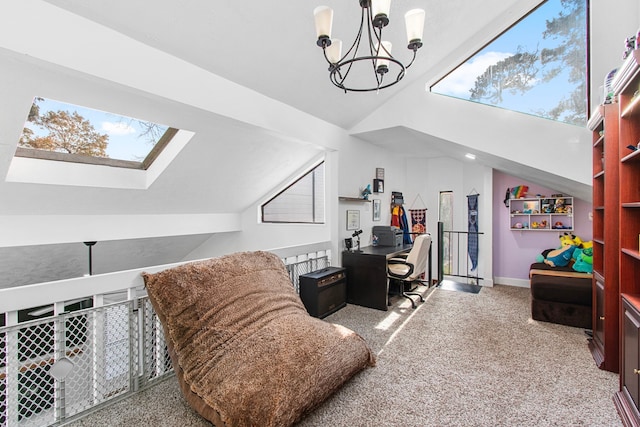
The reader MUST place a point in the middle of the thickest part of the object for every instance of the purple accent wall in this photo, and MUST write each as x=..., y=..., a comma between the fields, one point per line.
x=514, y=251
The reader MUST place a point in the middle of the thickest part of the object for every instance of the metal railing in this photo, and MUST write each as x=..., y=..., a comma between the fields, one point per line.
x=74, y=360
x=453, y=255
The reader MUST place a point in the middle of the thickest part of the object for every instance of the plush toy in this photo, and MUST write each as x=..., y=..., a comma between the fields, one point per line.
x=583, y=260
x=562, y=256
x=559, y=257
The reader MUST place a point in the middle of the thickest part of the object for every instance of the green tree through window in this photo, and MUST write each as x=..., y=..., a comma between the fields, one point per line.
x=57, y=130
x=538, y=66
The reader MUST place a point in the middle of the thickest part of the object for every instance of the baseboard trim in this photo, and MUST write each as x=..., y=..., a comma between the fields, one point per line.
x=510, y=281
x=488, y=283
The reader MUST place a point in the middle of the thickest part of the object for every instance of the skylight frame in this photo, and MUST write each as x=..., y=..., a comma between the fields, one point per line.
x=144, y=164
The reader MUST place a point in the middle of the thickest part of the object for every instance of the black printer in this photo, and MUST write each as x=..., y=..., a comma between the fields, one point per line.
x=388, y=235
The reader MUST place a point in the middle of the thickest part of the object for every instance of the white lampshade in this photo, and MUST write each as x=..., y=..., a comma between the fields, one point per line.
x=385, y=54
x=323, y=16
x=380, y=7
x=334, y=52
x=414, y=20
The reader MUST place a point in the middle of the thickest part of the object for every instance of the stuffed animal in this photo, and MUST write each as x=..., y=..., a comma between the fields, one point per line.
x=583, y=260
x=562, y=256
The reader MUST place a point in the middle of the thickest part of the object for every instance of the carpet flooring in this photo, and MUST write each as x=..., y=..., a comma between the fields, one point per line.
x=459, y=359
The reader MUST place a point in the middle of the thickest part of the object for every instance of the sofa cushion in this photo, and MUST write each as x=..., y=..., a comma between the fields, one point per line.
x=570, y=290
x=545, y=266
x=245, y=350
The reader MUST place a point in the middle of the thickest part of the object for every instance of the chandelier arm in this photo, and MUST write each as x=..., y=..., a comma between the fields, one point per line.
x=415, y=51
x=324, y=51
x=373, y=49
x=354, y=48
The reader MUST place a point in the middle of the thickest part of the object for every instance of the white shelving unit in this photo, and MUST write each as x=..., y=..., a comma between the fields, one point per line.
x=541, y=214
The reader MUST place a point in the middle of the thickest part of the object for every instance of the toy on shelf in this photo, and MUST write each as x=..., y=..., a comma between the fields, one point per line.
x=365, y=193
x=519, y=191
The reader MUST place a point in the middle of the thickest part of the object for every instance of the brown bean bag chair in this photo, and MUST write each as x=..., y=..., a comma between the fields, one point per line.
x=245, y=350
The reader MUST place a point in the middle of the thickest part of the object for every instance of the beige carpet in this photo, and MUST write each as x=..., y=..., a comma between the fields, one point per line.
x=460, y=359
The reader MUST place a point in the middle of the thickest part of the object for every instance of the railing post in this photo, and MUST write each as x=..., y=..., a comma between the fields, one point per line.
x=97, y=347
x=12, y=369
x=440, y=252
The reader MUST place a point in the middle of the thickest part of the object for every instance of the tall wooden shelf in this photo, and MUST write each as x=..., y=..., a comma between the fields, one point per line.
x=604, y=345
x=626, y=88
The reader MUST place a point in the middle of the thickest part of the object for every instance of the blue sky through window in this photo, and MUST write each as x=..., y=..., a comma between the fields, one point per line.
x=126, y=135
x=525, y=36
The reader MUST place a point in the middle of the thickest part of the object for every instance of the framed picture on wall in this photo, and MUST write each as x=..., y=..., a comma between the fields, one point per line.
x=378, y=186
x=377, y=206
x=353, y=220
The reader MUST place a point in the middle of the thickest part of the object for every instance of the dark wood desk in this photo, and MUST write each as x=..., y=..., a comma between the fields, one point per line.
x=367, y=283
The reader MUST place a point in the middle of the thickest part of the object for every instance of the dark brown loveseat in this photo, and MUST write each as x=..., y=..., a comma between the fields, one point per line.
x=561, y=295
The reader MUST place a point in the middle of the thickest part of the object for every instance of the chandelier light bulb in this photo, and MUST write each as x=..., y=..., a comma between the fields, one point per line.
x=384, y=51
x=380, y=12
x=334, y=51
x=414, y=20
x=323, y=16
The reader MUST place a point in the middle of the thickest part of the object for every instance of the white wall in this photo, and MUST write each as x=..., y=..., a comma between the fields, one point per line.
x=255, y=235
x=358, y=163
x=349, y=170
x=428, y=177
x=611, y=23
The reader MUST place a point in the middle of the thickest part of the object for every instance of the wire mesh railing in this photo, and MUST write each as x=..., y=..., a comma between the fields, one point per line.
x=56, y=368
x=298, y=268
x=59, y=367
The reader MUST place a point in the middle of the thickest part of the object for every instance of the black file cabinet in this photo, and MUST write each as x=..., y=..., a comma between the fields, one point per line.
x=324, y=291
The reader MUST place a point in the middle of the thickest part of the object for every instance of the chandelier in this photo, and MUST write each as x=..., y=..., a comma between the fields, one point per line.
x=372, y=52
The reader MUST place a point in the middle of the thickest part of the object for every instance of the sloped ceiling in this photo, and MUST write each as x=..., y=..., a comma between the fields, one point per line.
x=271, y=48
x=209, y=52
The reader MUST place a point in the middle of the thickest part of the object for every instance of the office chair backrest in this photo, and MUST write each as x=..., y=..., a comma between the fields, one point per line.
x=419, y=254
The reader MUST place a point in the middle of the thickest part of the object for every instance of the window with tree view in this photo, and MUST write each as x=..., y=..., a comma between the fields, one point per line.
x=56, y=130
x=538, y=66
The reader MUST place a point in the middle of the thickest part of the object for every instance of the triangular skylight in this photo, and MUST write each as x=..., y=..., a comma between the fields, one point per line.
x=538, y=66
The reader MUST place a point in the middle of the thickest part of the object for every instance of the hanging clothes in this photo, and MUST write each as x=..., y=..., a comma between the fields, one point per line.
x=395, y=216
x=472, y=242
x=399, y=219
x=404, y=225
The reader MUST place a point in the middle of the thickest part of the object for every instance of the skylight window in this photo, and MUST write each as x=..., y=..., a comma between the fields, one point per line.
x=56, y=130
x=538, y=66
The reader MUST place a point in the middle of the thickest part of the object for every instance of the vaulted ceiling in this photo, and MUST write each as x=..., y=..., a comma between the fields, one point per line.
x=270, y=48
x=215, y=68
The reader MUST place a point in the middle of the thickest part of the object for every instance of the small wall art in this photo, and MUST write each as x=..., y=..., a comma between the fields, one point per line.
x=377, y=207
x=353, y=220
x=378, y=186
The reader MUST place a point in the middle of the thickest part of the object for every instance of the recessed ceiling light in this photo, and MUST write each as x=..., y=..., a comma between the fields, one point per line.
x=470, y=156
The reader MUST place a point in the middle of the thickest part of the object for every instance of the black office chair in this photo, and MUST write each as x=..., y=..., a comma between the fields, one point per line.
x=409, y=270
